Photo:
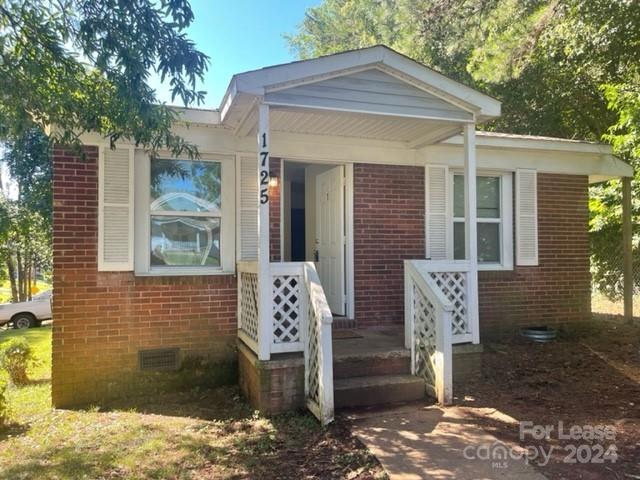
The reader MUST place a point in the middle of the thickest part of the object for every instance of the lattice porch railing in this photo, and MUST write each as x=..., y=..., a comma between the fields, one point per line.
x=453, y=280
x=318, y=352
x=300, y=322
x=288, y=306
x=428, y=315
x=248, y=319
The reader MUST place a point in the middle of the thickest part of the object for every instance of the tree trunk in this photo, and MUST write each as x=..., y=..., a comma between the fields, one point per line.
x=11, y=269
x=21, y=290
x=28, y=278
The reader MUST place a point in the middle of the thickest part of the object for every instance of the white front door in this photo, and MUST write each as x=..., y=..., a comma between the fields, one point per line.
x=330, y=236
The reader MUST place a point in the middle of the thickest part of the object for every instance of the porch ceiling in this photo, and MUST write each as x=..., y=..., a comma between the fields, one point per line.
x=345, y=124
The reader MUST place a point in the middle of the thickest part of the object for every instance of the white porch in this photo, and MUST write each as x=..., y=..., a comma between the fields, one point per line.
x=373, y=94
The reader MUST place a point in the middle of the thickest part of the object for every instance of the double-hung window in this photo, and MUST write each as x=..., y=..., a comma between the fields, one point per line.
x=184, y=218
x=494, y=220
x=185, y=213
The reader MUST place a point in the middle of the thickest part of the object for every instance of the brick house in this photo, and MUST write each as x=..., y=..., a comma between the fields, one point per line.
x=351, y=216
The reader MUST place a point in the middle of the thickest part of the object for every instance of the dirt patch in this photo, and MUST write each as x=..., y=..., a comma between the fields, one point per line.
x=589, y=376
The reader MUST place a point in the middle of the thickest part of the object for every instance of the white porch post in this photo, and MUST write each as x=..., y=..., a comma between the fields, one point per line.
x=471, y=228
x=264, y=274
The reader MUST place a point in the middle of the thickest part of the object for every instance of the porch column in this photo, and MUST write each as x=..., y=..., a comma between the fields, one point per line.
x=627, y=248
x=471, y=228
x=264, y=274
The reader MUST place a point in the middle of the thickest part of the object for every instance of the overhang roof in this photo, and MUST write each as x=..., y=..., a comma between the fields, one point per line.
x=316, y=82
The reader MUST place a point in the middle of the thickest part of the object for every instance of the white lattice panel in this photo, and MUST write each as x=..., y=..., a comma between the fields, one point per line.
x=314, y=352
x=286, y=308
x=454, y=286
x=425, y=337
x=249, y=304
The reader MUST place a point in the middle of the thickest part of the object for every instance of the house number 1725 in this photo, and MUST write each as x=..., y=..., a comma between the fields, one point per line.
x=264, y=169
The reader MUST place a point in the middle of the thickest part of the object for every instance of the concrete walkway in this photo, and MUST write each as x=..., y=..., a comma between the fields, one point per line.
x=416, y=442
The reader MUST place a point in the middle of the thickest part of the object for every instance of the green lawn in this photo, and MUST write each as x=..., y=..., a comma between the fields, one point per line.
x=201, y=434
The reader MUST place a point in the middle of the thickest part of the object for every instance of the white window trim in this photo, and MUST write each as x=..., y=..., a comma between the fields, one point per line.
x=506, y=221
x=142, y=262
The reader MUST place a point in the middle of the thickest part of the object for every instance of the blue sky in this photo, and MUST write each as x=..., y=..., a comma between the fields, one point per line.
x=239, y=35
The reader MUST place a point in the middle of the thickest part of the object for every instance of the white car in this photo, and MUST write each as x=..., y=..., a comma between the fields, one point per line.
x=27, y=314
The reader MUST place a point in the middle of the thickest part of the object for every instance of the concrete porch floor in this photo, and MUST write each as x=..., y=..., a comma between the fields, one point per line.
x=369, y=342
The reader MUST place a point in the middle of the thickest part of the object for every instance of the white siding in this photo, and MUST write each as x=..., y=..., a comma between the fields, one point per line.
x=115, y=210
x=369, y=91
x=526, y=217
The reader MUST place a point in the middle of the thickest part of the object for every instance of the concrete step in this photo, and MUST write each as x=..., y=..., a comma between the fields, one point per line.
x=393, y=362
x=377, y=390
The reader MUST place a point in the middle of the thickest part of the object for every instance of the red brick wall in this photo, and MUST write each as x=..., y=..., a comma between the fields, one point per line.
x=101, y=320
x=274, y=210
x=558, y=289
x=388, y=228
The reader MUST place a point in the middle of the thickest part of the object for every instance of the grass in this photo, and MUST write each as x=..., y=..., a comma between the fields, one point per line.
x=601, y=304
x=203, y=434
x=5, y=289
x=33, y=399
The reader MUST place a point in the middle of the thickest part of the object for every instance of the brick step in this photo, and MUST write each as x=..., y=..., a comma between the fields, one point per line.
x=395, y=362
x=377, y=390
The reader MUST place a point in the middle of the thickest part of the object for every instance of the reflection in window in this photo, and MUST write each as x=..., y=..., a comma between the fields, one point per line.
x=185, y=186
x=489, y=218
x=185, y=205
x=185, y=241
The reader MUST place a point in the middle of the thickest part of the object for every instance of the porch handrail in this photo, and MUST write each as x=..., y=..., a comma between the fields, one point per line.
x=453, y=280
x=318, y=350
x=428, y=331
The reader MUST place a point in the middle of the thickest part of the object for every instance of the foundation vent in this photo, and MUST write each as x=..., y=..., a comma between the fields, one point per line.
x=159, y=359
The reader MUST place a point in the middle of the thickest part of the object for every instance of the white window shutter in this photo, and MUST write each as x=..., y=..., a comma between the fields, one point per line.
x=248, y=208
x=436, y=193
x=526, y=217
x=115, y=209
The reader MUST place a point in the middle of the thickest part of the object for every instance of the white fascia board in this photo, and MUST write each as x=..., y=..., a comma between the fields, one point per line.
x=254, y=82
x=597, y=166
x=524, y=143
x=197, y=116
x=487, y=106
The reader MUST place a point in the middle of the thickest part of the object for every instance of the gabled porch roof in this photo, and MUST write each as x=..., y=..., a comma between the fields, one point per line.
x=369, y=93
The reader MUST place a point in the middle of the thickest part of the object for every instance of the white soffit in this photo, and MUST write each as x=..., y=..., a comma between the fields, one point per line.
x=321, y=122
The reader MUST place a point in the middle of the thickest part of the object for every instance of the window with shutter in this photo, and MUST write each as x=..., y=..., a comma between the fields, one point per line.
x=185, y=213
x=115, y=209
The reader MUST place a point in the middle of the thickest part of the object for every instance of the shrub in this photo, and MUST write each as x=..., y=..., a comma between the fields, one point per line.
x=4, y=406
x=16, y=357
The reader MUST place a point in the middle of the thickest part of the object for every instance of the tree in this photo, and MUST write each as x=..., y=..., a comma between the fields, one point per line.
x=84, y=65
x=565, y=68
x=27, y=160
x=25, y=246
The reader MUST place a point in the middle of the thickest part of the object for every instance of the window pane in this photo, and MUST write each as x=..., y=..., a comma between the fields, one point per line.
x=488, y=197
x=458, y=241
x=489, y=242
x=185, y=241
x=458, y=196
x=185, y=186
